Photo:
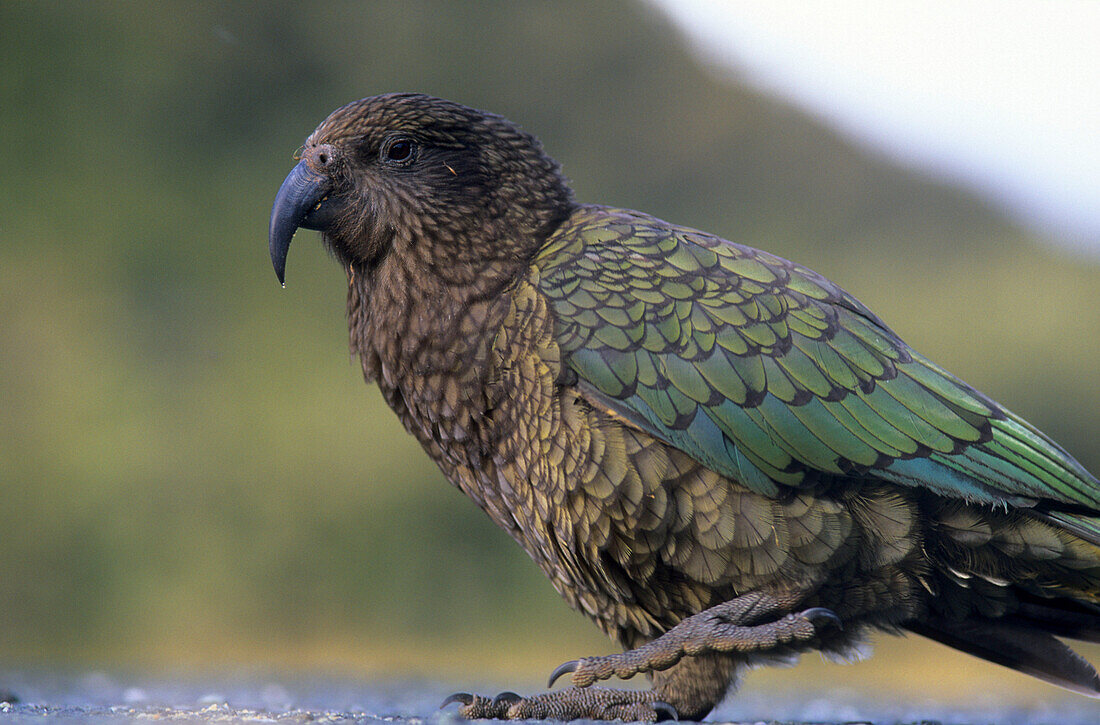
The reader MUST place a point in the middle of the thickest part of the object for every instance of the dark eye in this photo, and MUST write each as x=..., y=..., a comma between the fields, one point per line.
x=399, y=151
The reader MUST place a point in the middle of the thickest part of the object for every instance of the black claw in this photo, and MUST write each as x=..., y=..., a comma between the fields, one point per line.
x=570, y=666
x=464, y=697
x=821, y=613
x=510, y=698
x=665, y=711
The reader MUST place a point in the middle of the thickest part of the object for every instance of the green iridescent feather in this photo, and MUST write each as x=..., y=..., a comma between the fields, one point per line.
x=771, y=374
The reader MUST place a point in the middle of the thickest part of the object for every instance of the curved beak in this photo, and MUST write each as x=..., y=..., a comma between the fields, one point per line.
x=302, y=201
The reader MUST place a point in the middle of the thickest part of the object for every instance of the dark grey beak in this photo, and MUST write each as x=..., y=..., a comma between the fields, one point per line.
x=302, y=201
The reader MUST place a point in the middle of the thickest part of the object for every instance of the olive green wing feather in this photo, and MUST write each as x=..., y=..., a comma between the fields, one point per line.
x=770, y=374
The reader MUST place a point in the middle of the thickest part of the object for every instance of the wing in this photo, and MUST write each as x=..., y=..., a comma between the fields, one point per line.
x=771, y=374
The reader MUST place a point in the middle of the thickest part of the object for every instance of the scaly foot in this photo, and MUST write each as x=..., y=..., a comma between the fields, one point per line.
x=739, y=625
x=590, y=703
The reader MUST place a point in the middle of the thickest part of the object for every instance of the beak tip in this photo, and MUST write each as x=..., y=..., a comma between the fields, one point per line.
x=278, y=263
x=299, y=193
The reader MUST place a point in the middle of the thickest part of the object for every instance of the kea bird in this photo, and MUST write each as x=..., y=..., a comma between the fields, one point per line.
x=721, y=457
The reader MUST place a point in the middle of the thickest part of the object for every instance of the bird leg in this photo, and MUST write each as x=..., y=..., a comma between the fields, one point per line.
x=751, y=623
x=573, y=703
x=740, y=625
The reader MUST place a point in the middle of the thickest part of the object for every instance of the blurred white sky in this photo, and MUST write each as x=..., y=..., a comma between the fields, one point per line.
x=1002, y=95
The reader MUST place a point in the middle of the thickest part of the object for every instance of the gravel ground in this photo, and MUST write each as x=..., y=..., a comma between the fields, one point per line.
x=101, y=698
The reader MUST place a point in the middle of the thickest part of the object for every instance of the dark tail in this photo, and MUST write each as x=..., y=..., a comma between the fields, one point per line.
x=1024, y=644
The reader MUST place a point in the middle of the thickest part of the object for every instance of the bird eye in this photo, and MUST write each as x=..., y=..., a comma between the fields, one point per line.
x=400, y=151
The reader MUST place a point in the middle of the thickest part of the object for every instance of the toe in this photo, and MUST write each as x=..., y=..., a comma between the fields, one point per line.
x=506, y=699
x=665, y=711
x=563, y=669
x=463, y=697
x=819, y=616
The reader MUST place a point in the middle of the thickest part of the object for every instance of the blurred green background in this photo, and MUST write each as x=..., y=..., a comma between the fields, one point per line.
x=192, y=472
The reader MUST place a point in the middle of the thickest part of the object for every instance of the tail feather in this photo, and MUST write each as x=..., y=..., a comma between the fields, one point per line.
x=1021, y=648
x=1069, y=618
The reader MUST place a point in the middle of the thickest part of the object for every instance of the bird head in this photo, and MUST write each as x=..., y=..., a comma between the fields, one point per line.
x=448, y=183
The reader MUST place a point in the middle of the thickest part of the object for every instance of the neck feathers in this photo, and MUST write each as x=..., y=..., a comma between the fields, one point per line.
x=409, y=318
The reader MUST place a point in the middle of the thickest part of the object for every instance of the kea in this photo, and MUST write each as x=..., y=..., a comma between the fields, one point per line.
x=721, y=457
